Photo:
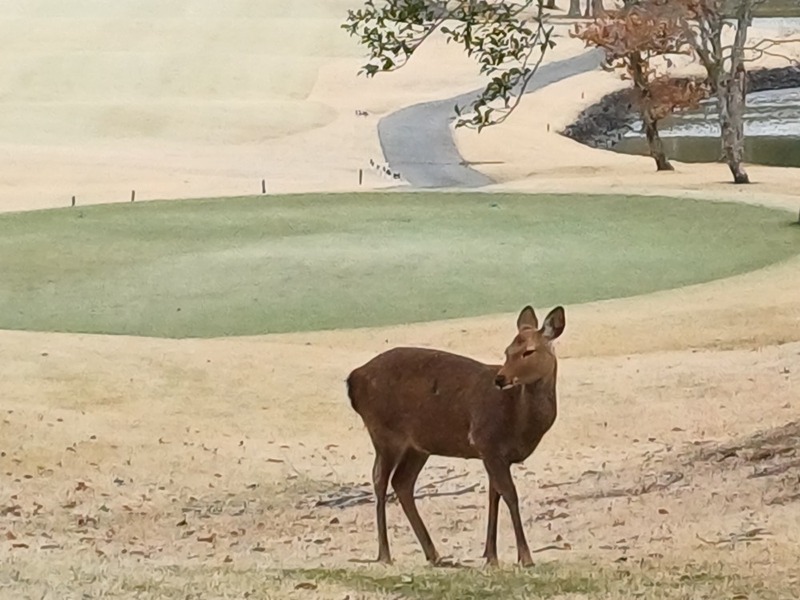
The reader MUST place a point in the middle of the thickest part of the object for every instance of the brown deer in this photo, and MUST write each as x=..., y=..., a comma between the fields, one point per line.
x=418, y=402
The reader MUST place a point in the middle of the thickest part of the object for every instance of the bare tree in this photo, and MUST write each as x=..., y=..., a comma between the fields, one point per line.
x=706, y=22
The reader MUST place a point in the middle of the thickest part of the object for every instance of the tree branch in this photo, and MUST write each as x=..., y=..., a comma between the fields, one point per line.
x=495, y=33
x=773, y=42
x=759, y=54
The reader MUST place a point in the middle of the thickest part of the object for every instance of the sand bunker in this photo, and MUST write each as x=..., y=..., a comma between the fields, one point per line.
x=164, y=91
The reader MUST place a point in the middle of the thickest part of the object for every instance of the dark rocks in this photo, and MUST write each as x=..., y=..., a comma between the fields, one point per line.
x=603, y=124
x=773, y=79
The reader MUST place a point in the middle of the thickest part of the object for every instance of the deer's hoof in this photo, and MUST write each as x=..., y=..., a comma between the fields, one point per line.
x=445, y=563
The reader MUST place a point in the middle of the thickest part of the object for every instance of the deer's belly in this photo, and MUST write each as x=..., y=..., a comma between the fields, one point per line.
x=450, y=447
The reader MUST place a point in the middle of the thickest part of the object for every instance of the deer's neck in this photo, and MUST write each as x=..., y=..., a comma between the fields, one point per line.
x=538, y=402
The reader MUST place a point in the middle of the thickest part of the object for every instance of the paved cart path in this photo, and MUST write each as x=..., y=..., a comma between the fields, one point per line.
x=418, y=143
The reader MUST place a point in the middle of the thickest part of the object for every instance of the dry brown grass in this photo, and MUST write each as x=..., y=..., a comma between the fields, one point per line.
x=158, y=468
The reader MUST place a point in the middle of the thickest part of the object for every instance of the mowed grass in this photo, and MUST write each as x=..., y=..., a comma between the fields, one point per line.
x=646, y=580
x=557, y=579
x=206, y=268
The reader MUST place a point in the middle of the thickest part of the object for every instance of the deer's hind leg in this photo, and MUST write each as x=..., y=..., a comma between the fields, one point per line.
x=385, y=462
x=403, y=480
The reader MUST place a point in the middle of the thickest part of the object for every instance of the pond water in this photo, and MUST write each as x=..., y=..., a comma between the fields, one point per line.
x=772, y=130
x=778, y=8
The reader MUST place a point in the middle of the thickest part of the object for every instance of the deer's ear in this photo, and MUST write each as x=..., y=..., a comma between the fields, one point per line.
x=527, y=318
x=554, y=323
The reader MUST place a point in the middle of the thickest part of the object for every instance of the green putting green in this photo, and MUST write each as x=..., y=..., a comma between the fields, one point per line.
x=205, y=268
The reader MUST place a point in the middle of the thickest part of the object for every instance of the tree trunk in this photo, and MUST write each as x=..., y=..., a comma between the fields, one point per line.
x=655, y=143
x=574, y=8
x=731, y=121
x=550, y=4
x=642, y=89
x=731, y=107
x=594, y=8
x=729, y=84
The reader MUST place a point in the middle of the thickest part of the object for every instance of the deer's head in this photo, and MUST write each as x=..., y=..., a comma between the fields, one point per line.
x=530, y=356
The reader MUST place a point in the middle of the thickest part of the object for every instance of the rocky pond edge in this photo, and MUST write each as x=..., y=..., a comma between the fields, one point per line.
x=603, y=124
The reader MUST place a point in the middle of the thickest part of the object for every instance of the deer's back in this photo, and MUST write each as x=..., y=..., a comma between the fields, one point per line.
x=424, y=398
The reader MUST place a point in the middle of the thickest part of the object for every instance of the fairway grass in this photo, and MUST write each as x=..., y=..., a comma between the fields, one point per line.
x=223, y=267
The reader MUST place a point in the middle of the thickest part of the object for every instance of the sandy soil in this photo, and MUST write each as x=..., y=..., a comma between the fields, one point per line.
x=119, y=454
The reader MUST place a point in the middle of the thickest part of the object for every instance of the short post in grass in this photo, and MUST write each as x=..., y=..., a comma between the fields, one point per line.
x=133, y=195
x=360, y=176
x=73, y=201
x=263, y=186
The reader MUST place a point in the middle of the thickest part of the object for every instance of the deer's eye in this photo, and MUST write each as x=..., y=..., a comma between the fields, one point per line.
x=527, y=353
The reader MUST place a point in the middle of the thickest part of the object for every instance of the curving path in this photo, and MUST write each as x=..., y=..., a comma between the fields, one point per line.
x=418, y=143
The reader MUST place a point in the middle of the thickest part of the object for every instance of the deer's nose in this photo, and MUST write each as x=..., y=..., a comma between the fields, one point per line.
x=500, y=381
